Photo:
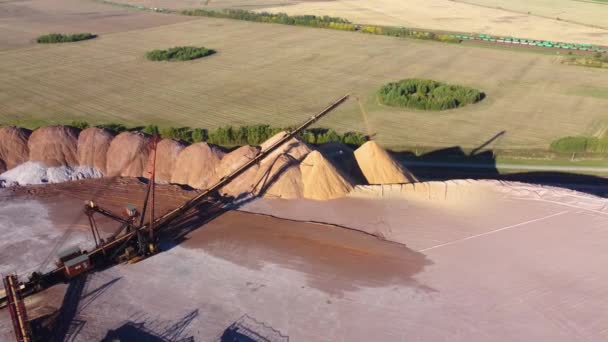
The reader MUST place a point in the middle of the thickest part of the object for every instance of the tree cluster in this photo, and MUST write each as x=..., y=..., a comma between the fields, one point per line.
x=427, y=95
x=64, y=38
x=179, y=53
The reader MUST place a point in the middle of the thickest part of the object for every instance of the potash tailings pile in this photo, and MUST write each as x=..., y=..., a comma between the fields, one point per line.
x=296, y=170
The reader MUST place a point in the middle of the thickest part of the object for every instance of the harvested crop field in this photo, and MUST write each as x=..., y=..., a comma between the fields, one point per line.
x=22, y=21
x=534, y=273
x=468, y=16
x=579, y=21
x=281, y=75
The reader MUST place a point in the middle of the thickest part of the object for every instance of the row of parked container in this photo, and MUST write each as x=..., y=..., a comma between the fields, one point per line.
x=531, y=42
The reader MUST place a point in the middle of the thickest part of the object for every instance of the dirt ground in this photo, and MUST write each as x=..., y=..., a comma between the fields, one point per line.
x=529, y=269
x=280, y=75
x=21, y=22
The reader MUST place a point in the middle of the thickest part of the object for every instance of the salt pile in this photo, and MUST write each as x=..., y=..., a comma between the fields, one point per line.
x=128, y=155
x=321, y=180
x=13, y=147
x=167, y=152
x=54, y=146
x=343, y=159
x=279, y=177
x=93, y=145
x=294, y=147
x=196, y=165
x=230, y=162
x=379, y=167
x=32, y=172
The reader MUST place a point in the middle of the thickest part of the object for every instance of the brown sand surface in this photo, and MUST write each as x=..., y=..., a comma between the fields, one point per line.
x=21, y=22
x=167, y=151
x=321, y=180
x=54, y=145
x=532, y=270
x=195, y=165
x=93, y=145
x=13, y=146
x=316, y=250
x=66, y=200
x=379, y=167
x=128, y=155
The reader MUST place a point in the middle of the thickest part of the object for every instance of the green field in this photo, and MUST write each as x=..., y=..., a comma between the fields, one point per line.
x=280, y=75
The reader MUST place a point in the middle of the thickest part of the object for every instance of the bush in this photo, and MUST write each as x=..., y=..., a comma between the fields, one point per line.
x=199, y=135
x=179, y=133
x=115, y=127
x=151, y=129
x=79, y=124
x=179, y=53
x=427, y=95
x=64, y=38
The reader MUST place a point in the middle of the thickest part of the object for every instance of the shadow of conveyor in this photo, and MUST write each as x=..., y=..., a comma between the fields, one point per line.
x=453, y=163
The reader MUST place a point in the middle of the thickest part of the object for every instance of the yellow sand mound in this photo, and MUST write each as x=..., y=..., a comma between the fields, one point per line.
x=321, y=180
x=93, y=145
x=54, y=145
x=279, y=177
x=167, y=152
x=379, y=167
x=196, y=165
x=128, y=155
x=13, y=146
x=294, y=147
x=233, y=160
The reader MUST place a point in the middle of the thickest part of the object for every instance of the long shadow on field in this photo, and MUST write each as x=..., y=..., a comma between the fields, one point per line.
x=454, y=163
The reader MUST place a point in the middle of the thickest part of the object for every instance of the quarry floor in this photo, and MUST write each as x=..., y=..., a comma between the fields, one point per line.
x=482, y=262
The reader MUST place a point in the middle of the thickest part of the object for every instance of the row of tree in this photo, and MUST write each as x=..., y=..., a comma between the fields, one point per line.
x=64, y=38
x=427, y=95
x=179, y=53
x=335, y=23
x=265, y=17
x=230, y=136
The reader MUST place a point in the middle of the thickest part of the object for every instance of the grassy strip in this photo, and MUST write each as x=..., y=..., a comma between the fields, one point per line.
x=52, y=38
x=179, y=53
x=580, y=144
x=230, y=136
x=427, y=95
x=596, y=61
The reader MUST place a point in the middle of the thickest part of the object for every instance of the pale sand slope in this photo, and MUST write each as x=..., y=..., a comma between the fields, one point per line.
x=540, y=278
x=452, y=16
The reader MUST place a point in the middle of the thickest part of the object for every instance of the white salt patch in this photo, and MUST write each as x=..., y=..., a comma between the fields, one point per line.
x=36, y=173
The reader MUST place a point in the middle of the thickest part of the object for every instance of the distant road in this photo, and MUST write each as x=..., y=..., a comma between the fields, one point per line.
x=556, y=168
